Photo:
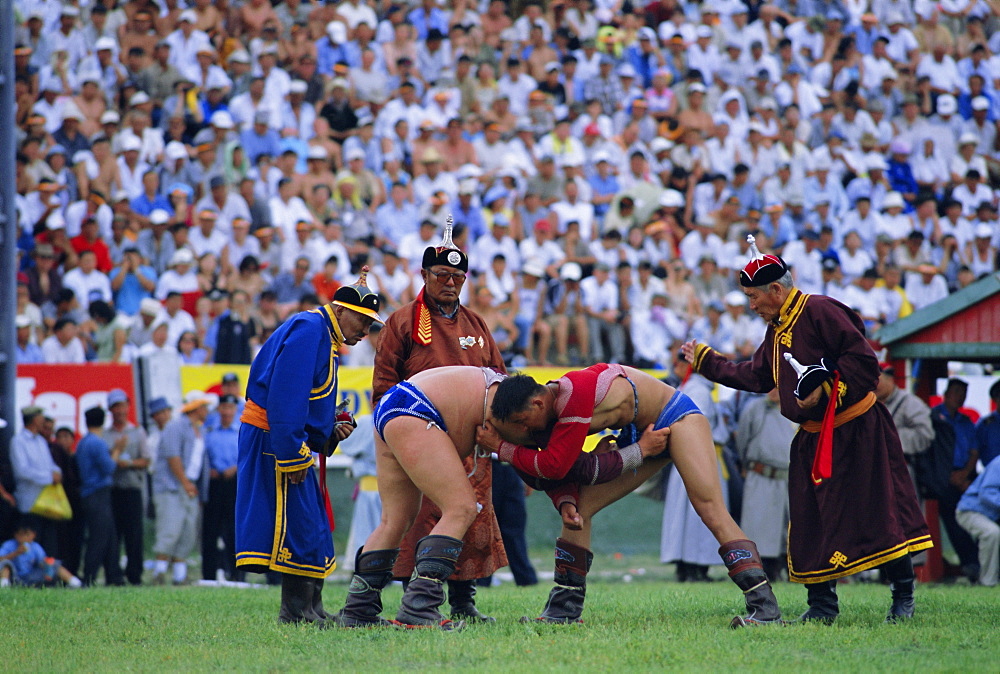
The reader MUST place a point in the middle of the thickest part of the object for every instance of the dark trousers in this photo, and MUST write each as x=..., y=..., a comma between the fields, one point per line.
x=965, y=547
x=512, y=516
x=127, y=507
x=101, y=539
x=70, y=536
x=219, y=521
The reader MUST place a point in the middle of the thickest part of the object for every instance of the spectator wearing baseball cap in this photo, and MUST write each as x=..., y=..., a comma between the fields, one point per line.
x=178, y=494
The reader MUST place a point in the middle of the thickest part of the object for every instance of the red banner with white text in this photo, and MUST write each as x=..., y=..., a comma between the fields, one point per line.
x=65, y=392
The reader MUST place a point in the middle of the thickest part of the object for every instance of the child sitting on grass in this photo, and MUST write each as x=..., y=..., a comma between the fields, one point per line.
x=23, y=561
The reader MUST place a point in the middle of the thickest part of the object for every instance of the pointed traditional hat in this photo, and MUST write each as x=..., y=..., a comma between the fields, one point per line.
x=446, y=253
x=761, y=269
x=359, y=297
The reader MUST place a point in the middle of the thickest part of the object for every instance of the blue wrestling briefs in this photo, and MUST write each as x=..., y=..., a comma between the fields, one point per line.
x=406, y=400
x=678, y=407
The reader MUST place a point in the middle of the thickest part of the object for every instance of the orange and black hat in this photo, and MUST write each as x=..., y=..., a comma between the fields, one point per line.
x=359, y=297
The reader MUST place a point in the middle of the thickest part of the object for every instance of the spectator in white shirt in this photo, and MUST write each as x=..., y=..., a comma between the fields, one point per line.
x=131, y=168
x=186, y=41
x=895, y=224
x=702, y=240
x=391, y=280
x=301, y=246
x=954, y=223
x=608, y=249
x=180, y=277
x=206, y=238
x=497, y=242
x=854, y=260
x=654, y=332
x=517, y=86
x=941, y=69
x=601, y=306
x=572, y=208
x=287, y=210
x=925, y=287
x=806, y=261
x=86, y=282
x=63, y=346
x=540, y=246
x=971, y=193
x=177, y=319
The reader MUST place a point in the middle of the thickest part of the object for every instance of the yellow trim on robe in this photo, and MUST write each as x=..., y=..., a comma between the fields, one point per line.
x=700, y=351
x=304, y=460
x=863, y=564
x=788, y=316
x=336, y=339
x=281, y=482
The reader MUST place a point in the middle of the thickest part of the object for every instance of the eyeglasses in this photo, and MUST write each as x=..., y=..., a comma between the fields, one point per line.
x=443, y=276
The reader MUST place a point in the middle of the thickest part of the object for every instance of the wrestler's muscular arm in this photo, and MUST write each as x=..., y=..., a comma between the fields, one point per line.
x=603, y=464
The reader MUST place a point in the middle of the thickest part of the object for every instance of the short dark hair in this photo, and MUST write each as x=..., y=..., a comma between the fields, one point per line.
x=513, y=394
x=94, y=417
x=62, y=323
x=954, y=381
x=101, y=309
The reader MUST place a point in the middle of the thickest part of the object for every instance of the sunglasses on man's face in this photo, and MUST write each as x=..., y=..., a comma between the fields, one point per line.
x=443, y=276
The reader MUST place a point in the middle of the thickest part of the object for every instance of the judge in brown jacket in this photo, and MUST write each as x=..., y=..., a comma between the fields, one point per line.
x=435, y=330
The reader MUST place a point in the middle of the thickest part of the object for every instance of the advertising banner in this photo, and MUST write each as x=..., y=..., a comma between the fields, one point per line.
x=65, y=392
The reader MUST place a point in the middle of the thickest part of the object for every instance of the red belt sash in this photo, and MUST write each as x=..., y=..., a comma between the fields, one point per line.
x=823, y=461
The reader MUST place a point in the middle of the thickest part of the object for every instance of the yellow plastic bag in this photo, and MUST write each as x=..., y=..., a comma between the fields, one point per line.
x=53, y=503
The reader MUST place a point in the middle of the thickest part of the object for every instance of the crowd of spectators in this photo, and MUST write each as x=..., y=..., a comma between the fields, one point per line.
x=189, y=174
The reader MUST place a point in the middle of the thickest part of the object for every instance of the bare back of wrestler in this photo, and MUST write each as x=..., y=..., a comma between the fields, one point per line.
x=415, y=455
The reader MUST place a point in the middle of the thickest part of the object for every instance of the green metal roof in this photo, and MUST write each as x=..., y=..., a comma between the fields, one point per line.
x=935, y=313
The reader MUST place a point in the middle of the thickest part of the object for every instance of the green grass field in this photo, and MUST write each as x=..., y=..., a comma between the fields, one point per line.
x=651, y=624
x=639, y=626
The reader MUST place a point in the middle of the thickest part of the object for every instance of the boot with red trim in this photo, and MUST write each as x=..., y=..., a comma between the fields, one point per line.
x=372, y=572
x=565, y=603
x=747, y=570
x=436, y=559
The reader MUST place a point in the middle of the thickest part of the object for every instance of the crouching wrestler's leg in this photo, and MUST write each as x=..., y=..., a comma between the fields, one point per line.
x=434, y=466
x=573, y=555
x=693, y=452
x=374, y=561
